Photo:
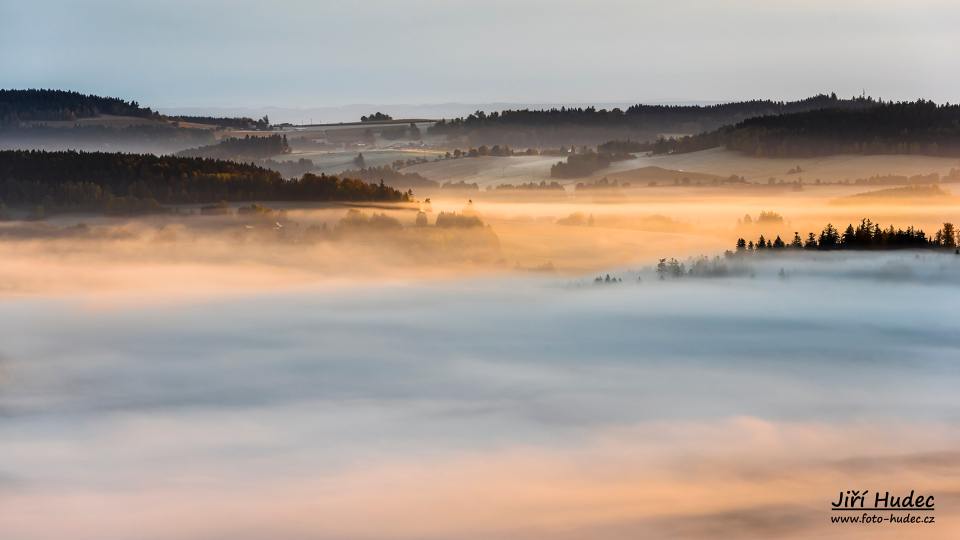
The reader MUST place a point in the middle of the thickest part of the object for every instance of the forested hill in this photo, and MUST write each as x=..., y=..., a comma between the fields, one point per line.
x=121, y=183
x=61, y=120
x=920, y=127
x=23, y=107
x=565, y=126
x=235, y=122
x=51, y=105
x=242, y=149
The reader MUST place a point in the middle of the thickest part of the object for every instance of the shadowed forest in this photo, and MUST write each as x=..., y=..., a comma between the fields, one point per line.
x=566, y=126
x=920, y=127
x=130, y=183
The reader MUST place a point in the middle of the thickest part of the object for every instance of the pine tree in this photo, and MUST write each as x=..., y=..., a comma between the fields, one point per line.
x=797, y=243
x=849, y=238
x=949, y=236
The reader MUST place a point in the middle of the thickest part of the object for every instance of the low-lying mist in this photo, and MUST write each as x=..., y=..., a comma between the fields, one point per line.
x=344, y=371
x=281, y=245
x=526, y=406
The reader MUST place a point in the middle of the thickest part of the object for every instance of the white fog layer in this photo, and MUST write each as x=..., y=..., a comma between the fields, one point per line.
x=307, y=389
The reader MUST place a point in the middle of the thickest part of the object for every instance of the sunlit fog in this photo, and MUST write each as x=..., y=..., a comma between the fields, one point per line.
x=529, y=406
x=449, y=270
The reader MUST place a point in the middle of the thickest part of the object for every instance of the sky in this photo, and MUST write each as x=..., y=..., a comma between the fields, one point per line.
x=298, y=53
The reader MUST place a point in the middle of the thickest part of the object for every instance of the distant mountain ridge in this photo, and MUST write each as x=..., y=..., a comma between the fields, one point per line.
x=589, y=125
x=62, y=119
x=920, y=128
x=335, y=114
x=34, y=105
x=819, y=125
x=39, y=105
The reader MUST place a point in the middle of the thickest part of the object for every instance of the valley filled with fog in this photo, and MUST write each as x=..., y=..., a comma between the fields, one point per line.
x=529, y=405
x=658, y=321
x=318, y=370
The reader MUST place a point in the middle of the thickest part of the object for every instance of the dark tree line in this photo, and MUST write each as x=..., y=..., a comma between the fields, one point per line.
x=528, y=186
x=865, y=236
x=248, y=148
x=460, y=186
x=38, y=105
x=55, y=105
x=241, y=122
x=625, y=146
x=701, y=266
x=391, y=177
x=601, y=184
x=291, y=169
x=589, y=125
x=24, y=113
x=99, y=181
x=640, y=114
x=920, y=127
x=136, y=138
x=495, y=150
x=585, y=164
x=376, y=117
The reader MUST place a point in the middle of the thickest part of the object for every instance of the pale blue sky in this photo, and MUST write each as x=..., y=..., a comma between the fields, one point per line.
x=298, y=53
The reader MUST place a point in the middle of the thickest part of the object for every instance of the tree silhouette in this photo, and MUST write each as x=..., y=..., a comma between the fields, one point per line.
x=124, y=183
x=867, y=235
x=797, y=243
x=867, y=127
